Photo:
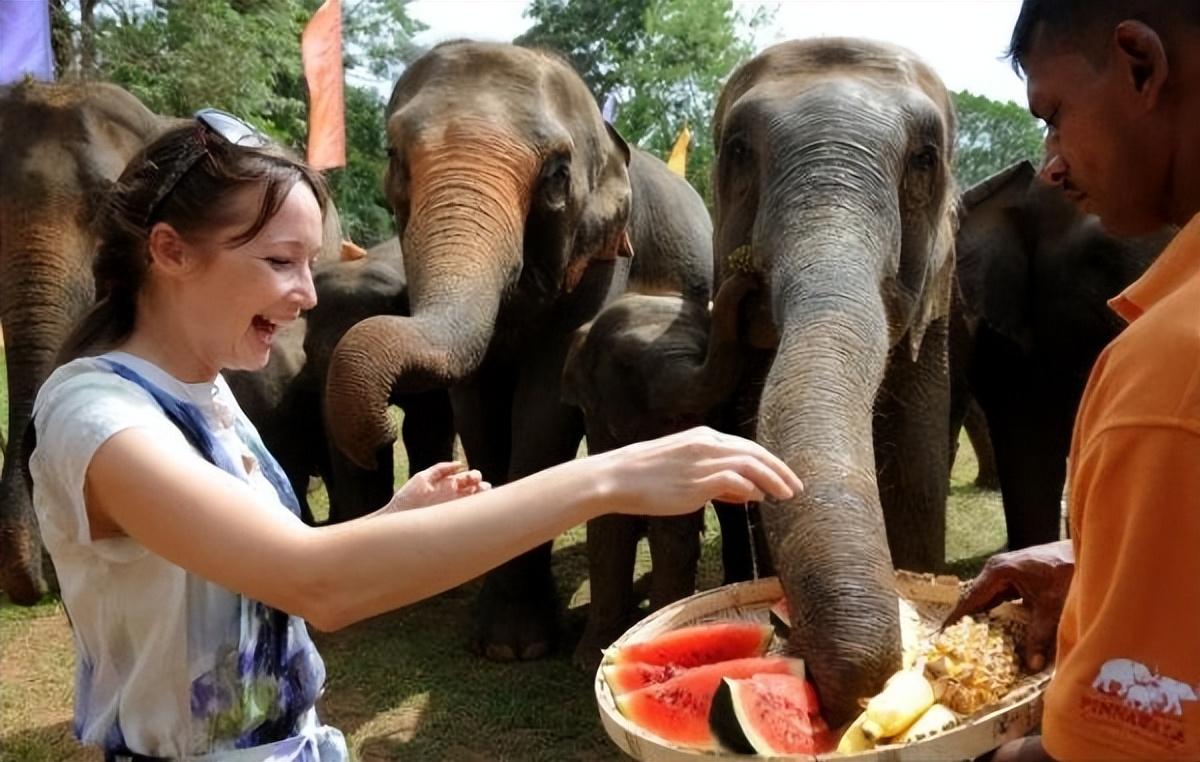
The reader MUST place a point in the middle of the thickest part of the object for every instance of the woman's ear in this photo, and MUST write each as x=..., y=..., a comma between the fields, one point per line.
x=168, y=250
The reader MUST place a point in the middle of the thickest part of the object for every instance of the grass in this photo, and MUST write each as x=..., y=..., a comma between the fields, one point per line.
x=403, y=685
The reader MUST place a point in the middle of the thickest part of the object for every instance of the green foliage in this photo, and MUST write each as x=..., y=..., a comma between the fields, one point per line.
x=991, y=136
x=664, y=59
x=243, y=56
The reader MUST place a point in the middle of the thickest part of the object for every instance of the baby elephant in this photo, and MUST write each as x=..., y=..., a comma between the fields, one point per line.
x=644, y=367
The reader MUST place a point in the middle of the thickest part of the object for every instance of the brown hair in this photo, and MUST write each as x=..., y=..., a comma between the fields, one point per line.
x=198, y=202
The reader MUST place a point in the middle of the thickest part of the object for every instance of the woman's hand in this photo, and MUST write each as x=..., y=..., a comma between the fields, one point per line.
x=678, y=473
x=437, y=484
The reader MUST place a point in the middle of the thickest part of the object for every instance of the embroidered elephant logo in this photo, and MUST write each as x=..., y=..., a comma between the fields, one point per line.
x=1142, y=689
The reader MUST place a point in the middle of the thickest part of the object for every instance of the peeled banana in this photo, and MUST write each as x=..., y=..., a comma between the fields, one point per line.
x=853, y=740
x=935, y=719
x=904, y=698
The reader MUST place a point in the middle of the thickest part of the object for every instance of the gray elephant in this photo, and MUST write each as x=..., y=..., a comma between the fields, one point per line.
x=513, y=199
x=63, y=146
x=647, y=366
x=832, y=180
x=1035, y=276
x=284, y=399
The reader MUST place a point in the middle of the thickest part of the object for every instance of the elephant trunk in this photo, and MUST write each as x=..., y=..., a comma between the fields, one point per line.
x=829, y=543
x=45, y=286
x=714, y=380
x=462, y=252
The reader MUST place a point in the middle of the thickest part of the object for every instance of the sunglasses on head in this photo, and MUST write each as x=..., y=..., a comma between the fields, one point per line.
x=209, y=121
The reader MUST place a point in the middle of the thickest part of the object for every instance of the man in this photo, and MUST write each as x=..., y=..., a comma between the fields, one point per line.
x=1118, y=85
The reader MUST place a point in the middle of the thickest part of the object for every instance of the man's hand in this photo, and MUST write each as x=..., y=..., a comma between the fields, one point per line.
x=1040, y=576
x=437, y=484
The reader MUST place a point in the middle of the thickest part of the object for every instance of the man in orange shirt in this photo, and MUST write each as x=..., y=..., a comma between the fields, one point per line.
x=1118, y=85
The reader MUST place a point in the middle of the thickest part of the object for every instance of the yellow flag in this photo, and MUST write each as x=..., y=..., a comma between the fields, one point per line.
x=677, y=161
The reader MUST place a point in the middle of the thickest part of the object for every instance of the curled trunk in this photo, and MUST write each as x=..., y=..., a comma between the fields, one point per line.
x=462, y=251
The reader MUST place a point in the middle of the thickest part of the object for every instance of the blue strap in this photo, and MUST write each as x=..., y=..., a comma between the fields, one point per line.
x=189, y=420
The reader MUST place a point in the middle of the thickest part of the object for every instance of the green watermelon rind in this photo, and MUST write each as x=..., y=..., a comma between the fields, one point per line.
x=732, y=724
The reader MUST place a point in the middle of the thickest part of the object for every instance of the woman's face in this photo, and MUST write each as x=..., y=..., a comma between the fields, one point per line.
x=239, y=296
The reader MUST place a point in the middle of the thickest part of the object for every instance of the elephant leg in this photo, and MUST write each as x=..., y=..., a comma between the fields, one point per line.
x=519, y=610
x=912, y=460
x=611, y=548
x=353, y=491
x=1031, y=435
x=428, y=429
x=674, y=556
x=737, y=558
x=981, y=442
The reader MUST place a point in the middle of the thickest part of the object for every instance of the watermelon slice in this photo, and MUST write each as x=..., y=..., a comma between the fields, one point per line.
x=677, y=710
x=623, y=678
x=769, y=714
x=696, y=645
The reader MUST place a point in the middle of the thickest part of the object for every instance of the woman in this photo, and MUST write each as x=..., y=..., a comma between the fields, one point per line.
x=184, y=568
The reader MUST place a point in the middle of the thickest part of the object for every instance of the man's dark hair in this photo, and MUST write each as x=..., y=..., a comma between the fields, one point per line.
x=1086, y=24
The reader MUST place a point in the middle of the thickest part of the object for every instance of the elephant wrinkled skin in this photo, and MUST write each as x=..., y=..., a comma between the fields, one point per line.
x=832, y=180
x=513, y=201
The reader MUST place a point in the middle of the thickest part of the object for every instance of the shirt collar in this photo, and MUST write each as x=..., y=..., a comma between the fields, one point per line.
x=1178, y=264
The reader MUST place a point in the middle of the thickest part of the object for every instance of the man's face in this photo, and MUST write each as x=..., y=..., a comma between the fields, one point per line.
x=1100, y=144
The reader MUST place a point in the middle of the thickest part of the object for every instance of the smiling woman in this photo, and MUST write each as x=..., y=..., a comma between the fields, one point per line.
x=183, y=564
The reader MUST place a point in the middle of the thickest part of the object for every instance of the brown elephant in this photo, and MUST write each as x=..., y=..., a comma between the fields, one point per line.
x=513, y=200
x=284, y=399
x=832, y=180
x=63, y=146
x=648, y=365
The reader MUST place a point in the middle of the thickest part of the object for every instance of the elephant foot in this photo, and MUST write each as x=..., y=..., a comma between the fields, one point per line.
x=516, y=626
x=589, y=652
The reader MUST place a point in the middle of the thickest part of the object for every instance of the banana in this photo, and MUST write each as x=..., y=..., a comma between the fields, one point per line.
x=935, y=719
x=853, y=739
x=904, y=698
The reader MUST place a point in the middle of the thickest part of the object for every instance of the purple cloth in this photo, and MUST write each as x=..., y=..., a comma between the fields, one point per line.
x=25, y=40
x=608, y=112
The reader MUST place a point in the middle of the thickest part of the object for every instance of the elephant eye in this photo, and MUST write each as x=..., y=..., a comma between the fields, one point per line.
x=737, y=149
x=556, y=181
x=924, y=159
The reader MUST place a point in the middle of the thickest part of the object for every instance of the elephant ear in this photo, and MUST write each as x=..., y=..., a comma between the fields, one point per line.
x=994, y=250
x=602, y=231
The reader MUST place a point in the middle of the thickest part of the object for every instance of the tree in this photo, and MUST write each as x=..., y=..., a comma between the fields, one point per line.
x=991, y=136
x=664, y=60
x=243, y=56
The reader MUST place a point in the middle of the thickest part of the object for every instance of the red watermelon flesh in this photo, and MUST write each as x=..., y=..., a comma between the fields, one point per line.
x=769, y=714
x=623, y=678
x=677, y=710
x=696, y=645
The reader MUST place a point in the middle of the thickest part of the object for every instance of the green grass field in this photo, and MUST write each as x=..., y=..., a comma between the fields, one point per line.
x=403, y=685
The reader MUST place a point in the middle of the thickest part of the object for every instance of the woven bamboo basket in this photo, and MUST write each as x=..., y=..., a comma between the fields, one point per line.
x=925, y=601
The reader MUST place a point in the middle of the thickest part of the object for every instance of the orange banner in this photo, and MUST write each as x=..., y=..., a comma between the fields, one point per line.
x=321, y=51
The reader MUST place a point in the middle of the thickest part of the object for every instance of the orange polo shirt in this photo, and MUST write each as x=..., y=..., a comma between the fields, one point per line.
x=1128, y=672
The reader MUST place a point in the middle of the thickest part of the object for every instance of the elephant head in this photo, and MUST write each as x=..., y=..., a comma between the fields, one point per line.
x=832, y=180
x=651, y=365
x=63, y=147
x=505, y=184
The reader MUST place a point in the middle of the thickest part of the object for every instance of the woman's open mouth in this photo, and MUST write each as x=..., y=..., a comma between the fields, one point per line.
x=264, y=328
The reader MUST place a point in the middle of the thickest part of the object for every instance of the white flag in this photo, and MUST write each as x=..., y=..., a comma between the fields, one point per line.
x=25, y=40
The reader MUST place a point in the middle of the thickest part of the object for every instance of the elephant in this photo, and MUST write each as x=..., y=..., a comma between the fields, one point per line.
x=832, y=181
x=647, y=366
x=1117, y=676
x=284, y=399
x=64, y=144
x=1034, y=275
x=519, y=210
